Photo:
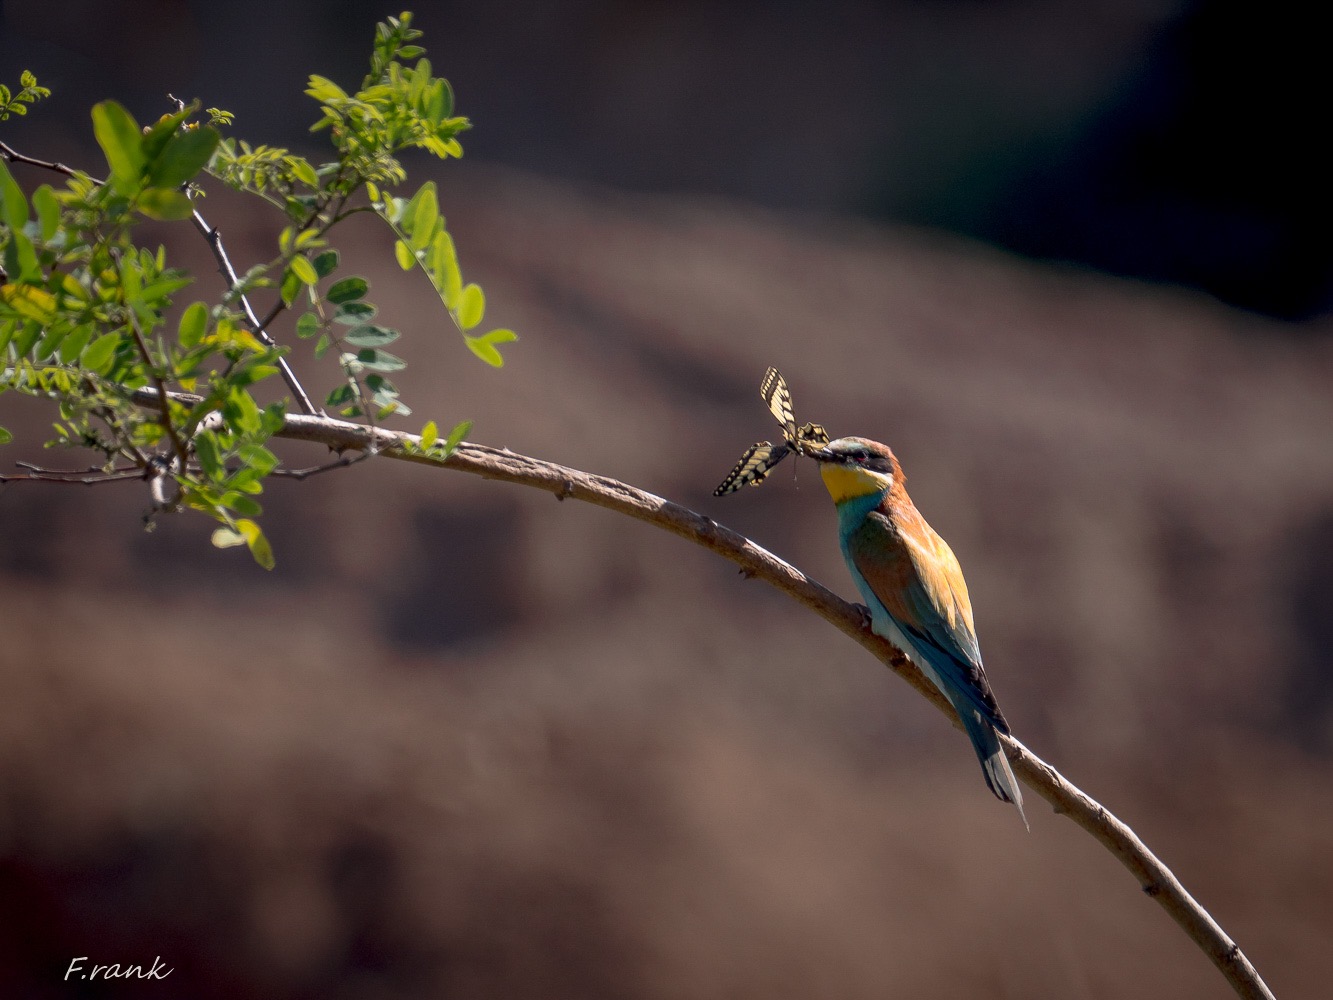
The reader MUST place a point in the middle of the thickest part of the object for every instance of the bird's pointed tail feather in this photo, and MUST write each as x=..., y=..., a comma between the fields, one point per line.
x=994, y=765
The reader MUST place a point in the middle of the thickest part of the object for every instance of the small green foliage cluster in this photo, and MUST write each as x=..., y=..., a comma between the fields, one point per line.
x=84, y=309
x=17, y=104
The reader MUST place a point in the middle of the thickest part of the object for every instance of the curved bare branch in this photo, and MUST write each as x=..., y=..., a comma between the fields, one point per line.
x=1064, y=797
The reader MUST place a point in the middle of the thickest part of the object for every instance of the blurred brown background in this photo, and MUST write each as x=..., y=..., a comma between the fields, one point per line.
x=499, y=746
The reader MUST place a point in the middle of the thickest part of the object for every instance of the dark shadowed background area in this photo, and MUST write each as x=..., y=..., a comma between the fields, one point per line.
x=1072, y=263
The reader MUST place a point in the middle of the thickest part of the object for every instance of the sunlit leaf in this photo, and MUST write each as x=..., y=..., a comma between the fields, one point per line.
x=226, y=538
x=304, y=270
x=72, y=346
x=207, y=451
x=456, y=436
x=97, y=355
x=426, y=212
x=122, y=143
x=471, y=306
x=185, y=154
x=193, y=323
x=166, y=204
x=13, y=206
x=429, y=435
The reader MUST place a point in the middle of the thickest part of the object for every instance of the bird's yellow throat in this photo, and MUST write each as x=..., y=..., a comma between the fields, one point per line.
x=846, y=482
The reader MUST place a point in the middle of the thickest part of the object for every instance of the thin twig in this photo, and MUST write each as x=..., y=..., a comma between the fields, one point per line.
x=35, y=475
x=491, y=463
x=164, y=401
x=13, y=156
x=315, y=470
x=214, y=239
x=92, y=470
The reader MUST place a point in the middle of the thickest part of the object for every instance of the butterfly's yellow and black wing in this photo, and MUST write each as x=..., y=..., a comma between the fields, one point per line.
x=754, y=466
x=810, y=437
x=777, y=397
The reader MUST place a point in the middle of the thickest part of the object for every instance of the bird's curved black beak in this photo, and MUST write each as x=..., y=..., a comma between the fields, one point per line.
x=821, y=455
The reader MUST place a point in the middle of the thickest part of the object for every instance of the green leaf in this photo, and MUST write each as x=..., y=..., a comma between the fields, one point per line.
x=272, y=418
x=122, y=143
x=348, y=289
x=242, y=504
x=425, y=212
x=13, y=206
x=484, y=346
x=72, y=346
x=429, y=435
x=471, y=306
x=308, y=325
x=339, y=395
x=185, y=154
x=322, y=89
x=486, y=352
x=290, y=287
x=259, y=546
x=226, y=538
x=371, y=336
x=194, y=321
x=27, y=336
x=29, y=302
x=303, y=171
x=209, y=455
x=326, y=263
x=406, y=258
x=48, y=212
x=380, y=361
x=322, y=345
x=97, y=355
x=156, y=136
x=5, y=436
x=242, y=410
x=259, y=458
x=355, y=313
x=166, y=204
x=21, y=257
x=304, y=270
x=456, y=436
x=444, y=265
x=50, y=341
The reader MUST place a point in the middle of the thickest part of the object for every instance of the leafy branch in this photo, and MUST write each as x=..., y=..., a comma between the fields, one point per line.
x=88, y=316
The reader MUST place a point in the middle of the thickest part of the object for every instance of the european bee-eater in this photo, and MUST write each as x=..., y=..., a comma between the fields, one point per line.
x=911, y=581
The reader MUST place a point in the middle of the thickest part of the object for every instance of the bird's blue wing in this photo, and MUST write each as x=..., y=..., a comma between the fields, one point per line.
x=917, y=581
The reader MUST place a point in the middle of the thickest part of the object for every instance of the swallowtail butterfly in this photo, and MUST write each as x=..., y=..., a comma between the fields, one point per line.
x=760, y=459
